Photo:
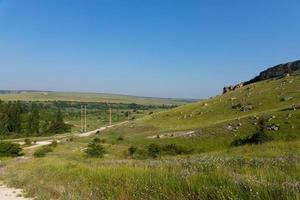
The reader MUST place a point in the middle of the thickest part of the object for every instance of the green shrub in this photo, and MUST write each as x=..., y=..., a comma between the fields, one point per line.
x=132, y=150
x=257, y=138
x=41, y=152
x=53, y=143
x=141, y=153
x=173, y=149
x=95, y=150
x=96, y=140
x=27, y=141
x=10, y=149
x=120, y=138
x=154, y=150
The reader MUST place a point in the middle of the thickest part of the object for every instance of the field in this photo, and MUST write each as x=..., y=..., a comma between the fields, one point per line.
x=87, y=97
x=195, y=157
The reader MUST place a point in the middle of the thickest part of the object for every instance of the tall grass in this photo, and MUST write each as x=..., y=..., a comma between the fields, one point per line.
x=196, y=177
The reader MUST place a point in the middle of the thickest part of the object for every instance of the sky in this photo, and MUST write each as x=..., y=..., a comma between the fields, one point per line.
x=158, y=48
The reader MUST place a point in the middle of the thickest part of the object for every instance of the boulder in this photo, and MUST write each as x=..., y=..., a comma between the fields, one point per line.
x=296, y=106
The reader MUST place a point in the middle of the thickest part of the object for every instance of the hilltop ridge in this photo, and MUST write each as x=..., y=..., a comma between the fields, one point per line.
x=285, y=69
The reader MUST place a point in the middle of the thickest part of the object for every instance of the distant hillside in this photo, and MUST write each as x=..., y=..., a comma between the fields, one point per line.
x=212, y=124
x=263, y=97
x=28, y=95
x=286, y=69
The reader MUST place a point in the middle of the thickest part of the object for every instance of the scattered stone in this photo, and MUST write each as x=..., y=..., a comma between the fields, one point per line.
x=289, y=116
x=286, y=98
x=296, y=106
x=273, y=127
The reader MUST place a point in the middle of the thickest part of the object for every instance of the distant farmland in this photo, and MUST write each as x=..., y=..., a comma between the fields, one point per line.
x=87, y=97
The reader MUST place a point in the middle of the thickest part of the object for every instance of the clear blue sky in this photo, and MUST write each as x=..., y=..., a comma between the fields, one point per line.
x=165, y=48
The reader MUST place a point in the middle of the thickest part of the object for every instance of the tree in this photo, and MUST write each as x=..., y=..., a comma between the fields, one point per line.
x=57, y=125
x=95, y=150
x=33, y=123
x=14, y=117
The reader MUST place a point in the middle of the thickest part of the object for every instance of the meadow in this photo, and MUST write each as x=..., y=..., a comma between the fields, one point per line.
x=187, y=152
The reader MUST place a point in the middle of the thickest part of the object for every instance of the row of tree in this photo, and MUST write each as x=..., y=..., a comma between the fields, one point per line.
x=30, y=119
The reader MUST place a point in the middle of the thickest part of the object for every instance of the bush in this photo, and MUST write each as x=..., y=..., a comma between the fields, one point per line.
x=257, y=138
x=154, y=150
x=95, y=150
x=96, y=140
x=41, y=152
x=27, y=141
x=132, y=150
x=173, y=149
x=53, y=143
x=10, y=149
x=120, y=138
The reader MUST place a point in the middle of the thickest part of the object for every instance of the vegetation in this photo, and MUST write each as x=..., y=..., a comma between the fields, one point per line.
x=24, y=119
x=9, y=149
x=87, y=97
x=41, y=152
x=241, y=145
x=95, y=149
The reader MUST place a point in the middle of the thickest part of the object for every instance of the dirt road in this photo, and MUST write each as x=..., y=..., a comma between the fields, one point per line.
x=7, y=193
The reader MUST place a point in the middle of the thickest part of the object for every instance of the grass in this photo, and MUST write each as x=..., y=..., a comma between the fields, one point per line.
x=217, y=175
x=215, y=170
x=89, y=97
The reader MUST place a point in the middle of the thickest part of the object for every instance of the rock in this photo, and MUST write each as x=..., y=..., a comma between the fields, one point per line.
x=296, y=106
x=232, y=88
x=273, y=127
x=277, y=71
x=286, y=98
x=281, y=70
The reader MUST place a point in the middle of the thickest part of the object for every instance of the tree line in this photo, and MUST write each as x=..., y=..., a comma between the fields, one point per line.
x=22, y=118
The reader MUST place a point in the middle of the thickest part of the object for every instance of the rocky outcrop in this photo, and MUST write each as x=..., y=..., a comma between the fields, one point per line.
x=232, y=87
x=273, y=72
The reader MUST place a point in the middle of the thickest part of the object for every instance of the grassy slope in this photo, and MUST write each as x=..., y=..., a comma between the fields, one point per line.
x=215, y=171
x=264, y=96
x=87, y=97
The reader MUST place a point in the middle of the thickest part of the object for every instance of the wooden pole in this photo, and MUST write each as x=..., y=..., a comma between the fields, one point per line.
x=85, y=118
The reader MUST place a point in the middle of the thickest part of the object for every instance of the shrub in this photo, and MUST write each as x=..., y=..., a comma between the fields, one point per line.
x=120, y=138
x=257, y=138
x=10, y=149
x=41, y=152
x=173, y=149
x=96, y=140
x=95, y=150
x=132, y=150
x=53, y=143
x=27, y=141
x=154, y=150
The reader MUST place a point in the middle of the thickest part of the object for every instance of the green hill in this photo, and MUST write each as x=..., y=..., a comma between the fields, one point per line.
x=213, y=149
x=86, y=97
x=265, y=97
x=212, y=124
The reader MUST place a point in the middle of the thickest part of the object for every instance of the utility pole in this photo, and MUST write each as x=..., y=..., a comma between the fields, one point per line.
x=85, y=118
x=110, y=116
x=81, y=119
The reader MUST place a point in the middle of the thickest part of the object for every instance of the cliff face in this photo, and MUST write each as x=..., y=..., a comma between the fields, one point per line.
x=279, y=70
x=273, y=72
